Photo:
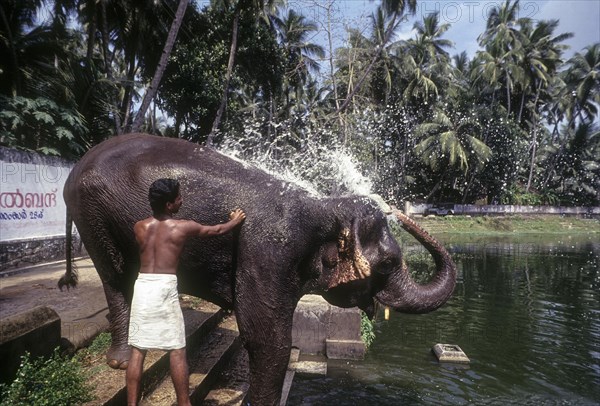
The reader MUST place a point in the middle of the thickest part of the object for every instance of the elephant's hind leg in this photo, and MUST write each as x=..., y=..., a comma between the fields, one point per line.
x=119, y=352
x=118, y=286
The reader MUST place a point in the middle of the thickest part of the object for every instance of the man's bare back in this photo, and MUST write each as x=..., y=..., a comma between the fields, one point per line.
x=161, y=239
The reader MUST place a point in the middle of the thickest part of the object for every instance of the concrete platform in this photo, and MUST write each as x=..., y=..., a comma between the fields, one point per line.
x=323, y=329
x=82, y=310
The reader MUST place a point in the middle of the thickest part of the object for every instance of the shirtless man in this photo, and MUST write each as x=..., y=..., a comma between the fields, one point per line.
x=156, y=320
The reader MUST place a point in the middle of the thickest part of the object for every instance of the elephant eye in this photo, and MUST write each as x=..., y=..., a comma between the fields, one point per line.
x=387, y=265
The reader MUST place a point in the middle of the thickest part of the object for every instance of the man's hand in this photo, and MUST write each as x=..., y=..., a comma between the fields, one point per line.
x=237, y=215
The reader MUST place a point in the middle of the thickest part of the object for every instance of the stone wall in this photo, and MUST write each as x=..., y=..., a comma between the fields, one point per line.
x=36, y=331
x=501, y=209
x=24, y=253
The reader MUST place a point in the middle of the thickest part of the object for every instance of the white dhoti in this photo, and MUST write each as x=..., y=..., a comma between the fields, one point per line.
x=156, y=320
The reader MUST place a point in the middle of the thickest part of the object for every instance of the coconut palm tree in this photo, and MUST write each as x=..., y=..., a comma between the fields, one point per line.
x=126, y=38
x=461, y=87
x=428, y=62
x=27, y=49
x=39, y=110
x=354, y=60
x=577, y=179
x=394, y=10
x=293, y=32
x=574, y=97
x=502, y=43
x=450, y=144
x=501, y=26
x=583, y=79
x=540, y=58
x=429, y=37
x=451, y=140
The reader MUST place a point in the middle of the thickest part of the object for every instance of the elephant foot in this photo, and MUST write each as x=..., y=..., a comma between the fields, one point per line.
x=117, y=357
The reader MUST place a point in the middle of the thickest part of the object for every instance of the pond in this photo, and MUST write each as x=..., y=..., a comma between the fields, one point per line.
x=527, y=314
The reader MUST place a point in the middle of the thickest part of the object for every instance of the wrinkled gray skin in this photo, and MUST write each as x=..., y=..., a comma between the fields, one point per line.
x=291, y=244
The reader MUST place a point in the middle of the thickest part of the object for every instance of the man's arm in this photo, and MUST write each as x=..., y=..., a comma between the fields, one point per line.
x=236, y=218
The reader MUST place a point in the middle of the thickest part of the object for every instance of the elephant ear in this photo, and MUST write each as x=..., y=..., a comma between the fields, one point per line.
x=345, y=244
x=349, y=263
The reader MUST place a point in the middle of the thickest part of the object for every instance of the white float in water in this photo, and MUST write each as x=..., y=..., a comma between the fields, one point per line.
x=450, y=353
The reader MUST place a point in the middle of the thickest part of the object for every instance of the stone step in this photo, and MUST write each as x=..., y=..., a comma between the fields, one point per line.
x=206, y=360
x=233, y=383
x=201, y=318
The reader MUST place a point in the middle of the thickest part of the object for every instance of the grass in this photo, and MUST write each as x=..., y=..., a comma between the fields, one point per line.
x=92, y=358
x=513, y=229
x=510, y=225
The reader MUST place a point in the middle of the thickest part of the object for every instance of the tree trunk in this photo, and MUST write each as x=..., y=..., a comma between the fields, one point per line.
x=508, y=104
x=533, y=141
x=468, y=187
x=91, y=37
x=521, y=107
x=128, y=94
x=178, y=120
x=107, y=65
x=16, y=88
x=223, y=105
x=162, y=65
x=271, y=127
x=331, y=53
x=434, y=190
x=366, y=73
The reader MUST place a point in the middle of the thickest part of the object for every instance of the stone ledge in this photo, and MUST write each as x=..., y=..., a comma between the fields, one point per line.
x=316, y=322
x=345, y=349
x=36, y=331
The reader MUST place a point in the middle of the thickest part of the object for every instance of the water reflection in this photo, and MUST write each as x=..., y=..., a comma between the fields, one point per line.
x=527, y=314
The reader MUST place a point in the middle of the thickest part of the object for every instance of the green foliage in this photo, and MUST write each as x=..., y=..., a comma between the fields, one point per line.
x=452, y=139
x=96, y=349
x=40, y=125
x=55, y=381
x=517, y=196
x=509, y=159
x=367, y=331
x=420, y=265
x=193, y=82
x=516, y=124
x=100, y=344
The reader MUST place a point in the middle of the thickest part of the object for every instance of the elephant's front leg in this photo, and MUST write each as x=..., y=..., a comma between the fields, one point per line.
x=119, y=352
x=268, y=365
x=267, y=335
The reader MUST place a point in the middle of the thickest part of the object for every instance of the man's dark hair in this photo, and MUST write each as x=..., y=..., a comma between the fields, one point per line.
x=162, y=191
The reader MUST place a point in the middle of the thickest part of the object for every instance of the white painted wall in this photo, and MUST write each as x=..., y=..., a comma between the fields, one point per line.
x=31, y=202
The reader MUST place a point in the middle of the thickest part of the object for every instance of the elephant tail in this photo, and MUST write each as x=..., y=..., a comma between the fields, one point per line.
x=69, y=279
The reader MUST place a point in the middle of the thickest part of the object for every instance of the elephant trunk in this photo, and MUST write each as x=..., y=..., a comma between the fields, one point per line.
x=403, y=294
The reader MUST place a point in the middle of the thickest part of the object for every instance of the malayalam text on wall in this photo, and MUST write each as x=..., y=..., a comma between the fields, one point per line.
x=31, y=202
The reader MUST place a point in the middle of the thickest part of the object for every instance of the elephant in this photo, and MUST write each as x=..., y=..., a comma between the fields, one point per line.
x=292, y=243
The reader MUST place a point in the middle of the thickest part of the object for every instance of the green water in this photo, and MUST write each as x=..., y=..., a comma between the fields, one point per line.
x=526, y=313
